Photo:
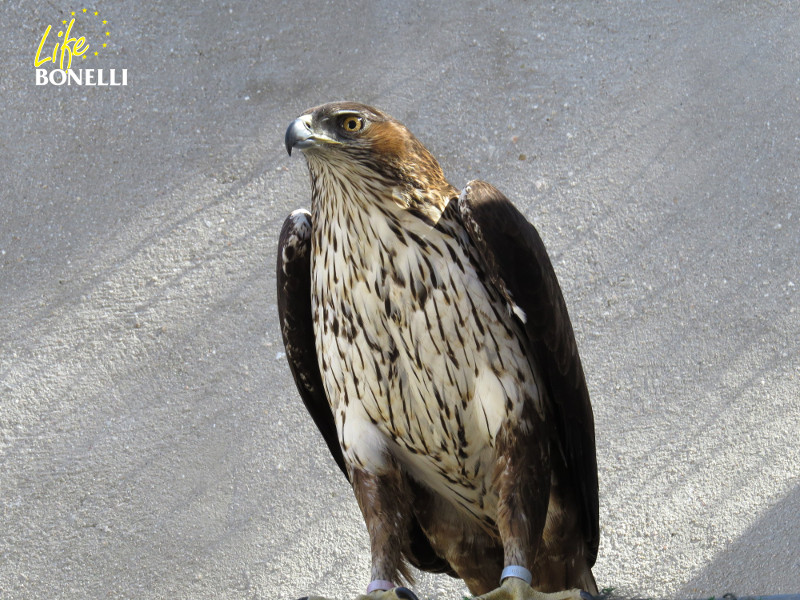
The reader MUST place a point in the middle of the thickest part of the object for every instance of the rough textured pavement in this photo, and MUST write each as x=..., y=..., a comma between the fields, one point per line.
x=152, y=444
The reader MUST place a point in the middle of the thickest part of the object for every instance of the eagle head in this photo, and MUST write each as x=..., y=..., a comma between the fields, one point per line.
x=358, y=142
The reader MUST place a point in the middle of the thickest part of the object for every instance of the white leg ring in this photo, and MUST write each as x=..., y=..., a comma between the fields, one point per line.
x=379, y=584
x=518, y=572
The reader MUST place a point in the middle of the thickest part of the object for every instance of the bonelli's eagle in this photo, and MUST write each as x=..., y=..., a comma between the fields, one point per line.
x=430, y=342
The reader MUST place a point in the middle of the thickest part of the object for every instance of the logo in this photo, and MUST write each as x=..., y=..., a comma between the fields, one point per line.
x=66, y=56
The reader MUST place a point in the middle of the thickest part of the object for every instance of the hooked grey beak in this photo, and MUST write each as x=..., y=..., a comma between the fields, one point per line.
x=298, y=135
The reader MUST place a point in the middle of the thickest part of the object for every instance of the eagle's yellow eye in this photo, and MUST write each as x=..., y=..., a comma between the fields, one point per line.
x=352, y=123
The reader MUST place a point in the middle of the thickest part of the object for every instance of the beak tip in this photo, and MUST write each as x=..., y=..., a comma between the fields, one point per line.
x=297, y=133
x=288, y=140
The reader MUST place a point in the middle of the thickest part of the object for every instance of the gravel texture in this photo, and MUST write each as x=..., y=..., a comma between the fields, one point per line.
x=152, y=443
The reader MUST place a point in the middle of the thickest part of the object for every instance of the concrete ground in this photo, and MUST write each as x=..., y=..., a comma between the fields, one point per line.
x=152, y=443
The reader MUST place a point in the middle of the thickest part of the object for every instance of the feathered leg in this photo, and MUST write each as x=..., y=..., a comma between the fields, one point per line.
x=522, y=480
x=384, y=501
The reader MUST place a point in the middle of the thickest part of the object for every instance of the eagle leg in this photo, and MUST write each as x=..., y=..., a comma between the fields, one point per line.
x=522, y=480
x=523, y=483
x=517, y=589
x=384, y=500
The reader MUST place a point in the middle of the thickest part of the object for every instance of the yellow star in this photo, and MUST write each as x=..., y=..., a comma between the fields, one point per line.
x=95, y=52
x=95, y=13
x=83, y=57
x=84, y=10
x=104, y=22
x=104, y=45
x=64, y=22
x=108, y=33
x=73, y=13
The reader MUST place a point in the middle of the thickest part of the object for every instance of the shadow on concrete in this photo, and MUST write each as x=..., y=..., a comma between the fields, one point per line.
x=764, y=560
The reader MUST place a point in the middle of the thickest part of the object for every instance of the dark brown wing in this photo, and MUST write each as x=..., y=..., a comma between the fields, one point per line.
x=519, y=267
x=297, y=327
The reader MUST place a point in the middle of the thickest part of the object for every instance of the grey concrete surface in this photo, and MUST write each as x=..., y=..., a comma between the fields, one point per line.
x=152, y=444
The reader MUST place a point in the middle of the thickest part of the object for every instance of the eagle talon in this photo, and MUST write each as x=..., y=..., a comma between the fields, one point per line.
x=405, y=593
x=398, y=593
x=517, y=589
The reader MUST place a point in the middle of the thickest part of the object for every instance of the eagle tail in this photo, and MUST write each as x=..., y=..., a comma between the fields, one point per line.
x=585, y=579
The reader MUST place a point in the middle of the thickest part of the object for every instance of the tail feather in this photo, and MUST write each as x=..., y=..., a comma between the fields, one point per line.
x=585, y=580
x=561, y=575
